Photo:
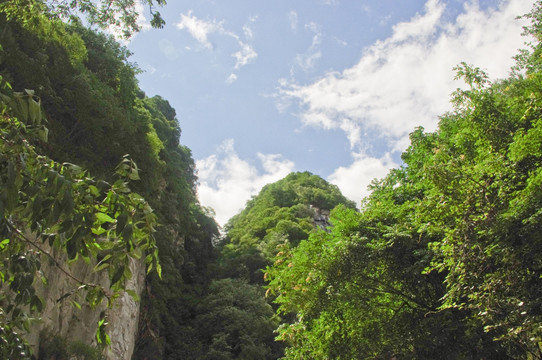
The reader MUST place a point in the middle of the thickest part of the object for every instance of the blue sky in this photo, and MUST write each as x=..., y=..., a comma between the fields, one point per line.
x=334, y=87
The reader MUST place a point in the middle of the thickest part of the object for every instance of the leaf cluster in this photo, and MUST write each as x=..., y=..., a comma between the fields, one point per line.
x=120, y=16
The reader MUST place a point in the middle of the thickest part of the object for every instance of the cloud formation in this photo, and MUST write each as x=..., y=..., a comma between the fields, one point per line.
x=307, y=60
x=201, y=30
x=354, y=179
x=226, y=181
x=399, y=83
x=405, y=80
x=244, y=56
x=292, y=18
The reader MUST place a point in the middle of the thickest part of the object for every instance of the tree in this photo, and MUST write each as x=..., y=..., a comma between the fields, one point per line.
x=120, y=15
x=236, y=322
x=284, y=210
x=46, y=206
x=444, y=258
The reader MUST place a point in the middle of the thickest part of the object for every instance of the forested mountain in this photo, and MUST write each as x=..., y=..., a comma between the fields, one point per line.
x=443, y=260
x=95, y=114
x=283, y=211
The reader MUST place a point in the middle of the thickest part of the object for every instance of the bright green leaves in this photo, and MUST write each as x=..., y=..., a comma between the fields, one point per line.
x=101, y=335
x=127, y=169
x=283, y=211
x=444, y=258
x=483, y=196
x=103, y=218
x=527, y=144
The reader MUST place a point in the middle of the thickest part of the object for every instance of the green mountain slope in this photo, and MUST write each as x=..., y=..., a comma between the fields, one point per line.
x=287, y=210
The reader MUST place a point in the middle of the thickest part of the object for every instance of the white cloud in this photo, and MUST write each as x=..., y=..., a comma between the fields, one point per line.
x=245, y=55
x=247, y=30
x=405, y=80
x=231, y=79
x=292, y=18
x=354, y=179
x=226, y=181
x=307, y=60
x=200, y=29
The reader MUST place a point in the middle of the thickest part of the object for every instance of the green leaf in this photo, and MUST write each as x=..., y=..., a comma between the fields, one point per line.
x=98, y=231
x=134, y=174
x=34, y=111
x=76, y=304
x=72, y=248
x=127, y=232
x=121, y=223
x=159, y=269
x=102, y=218
x=94, y=190
x=4, y=243
x=101, y=266
x=21, y=108
x=133, y=294
x=117, y=276
x=43, y=133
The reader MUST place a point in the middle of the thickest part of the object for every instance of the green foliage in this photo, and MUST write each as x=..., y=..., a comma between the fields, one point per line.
x=58, y=348
x=46, y=205
x=96, y=114
x=119, y=15
x=444, y=259
x=236, y=322
x=282, y=214
x=284, y=210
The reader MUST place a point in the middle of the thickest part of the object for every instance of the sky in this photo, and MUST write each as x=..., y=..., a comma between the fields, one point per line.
x=334, y=87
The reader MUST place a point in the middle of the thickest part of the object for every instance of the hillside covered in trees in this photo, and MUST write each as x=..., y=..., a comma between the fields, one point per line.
x=443, y=260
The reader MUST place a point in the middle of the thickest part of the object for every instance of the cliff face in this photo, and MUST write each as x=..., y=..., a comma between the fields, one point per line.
x=61, y=318
x=123, y=318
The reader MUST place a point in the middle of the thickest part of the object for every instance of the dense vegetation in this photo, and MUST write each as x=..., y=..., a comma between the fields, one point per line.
x=442, y=261
x=282, y=211
x=95, y=115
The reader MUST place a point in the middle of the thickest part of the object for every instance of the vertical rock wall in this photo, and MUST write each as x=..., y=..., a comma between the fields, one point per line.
x=63, y=319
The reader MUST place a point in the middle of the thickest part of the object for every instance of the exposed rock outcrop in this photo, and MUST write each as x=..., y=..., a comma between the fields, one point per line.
x=321, y=218
x=61, y=318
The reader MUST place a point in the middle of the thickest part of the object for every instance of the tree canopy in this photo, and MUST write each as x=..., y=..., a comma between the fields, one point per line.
x=284, y=210
x=123, y=17
x=443, y=261
x=70, y=190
